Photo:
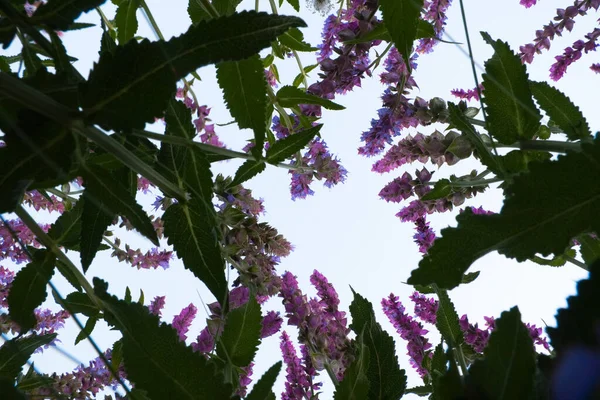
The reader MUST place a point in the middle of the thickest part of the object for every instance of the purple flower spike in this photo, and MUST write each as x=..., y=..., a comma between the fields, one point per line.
x=271, y=324
x=425, y=308
x=297, y=385
x=157, y=305
x=182, y=322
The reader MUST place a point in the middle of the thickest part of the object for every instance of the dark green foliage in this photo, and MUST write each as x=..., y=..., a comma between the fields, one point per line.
x=289, y=96
x=401, y=20
x=198, y=13
x=288, y=146
x=14, y=353
x=126, y=20
x=60, y=14
x=248, y=170
x=28, y=290
x=508, y=366
x=80, y=303
x=241, y=336
x=156, y=361
x=112, y=99
x=386, y=380
x=263, y=389
x=355, y=385
x=245, y=92
x=9, y=391
x=66, y=230
x=590, y=248
x=447, y=320
x=561, y=110
x=541, y=214
x=511, y=113
x=440, y=190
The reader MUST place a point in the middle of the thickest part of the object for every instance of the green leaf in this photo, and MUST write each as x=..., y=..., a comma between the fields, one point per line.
x=557, y=261
x=386, y=379
x=28, y=290
x=95, y=219
x=508, y=366
x=126, y=20
x=80, y=303
x=10, y=391
x=14, y=353
x=66, y=230
x=447, y=320
x=470, y=277
x=60, y=14
x=450, y=384
x=355, y=385
x=157, y=361
x=4, y=66
x=441, y=189
x=113, y=100
x=33, y=381
x=198, y=14
x=485, y=155
x=101, y=187
x=511, y=112
x=402, y=19
x=295, y=4
x=288, y=146
x=245, y=92
x=577, y=325
x=561, y=110
x=248, y=170
x=196, y=242
x=294, y=40
x=590, y=248
x=541, y=214
x=420, y=391
x=241, y=335
x=87, y=329
x=263, y=389
x=117, y=353
x=289, y=96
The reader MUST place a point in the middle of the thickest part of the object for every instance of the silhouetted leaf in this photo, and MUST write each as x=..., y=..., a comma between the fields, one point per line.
x=90, y=324
x=561, y=110
x=401, y=20
x=240, y=338
x=508, y=366
x=198, y=14
x=28, y=290
x=247, y=171
x=60, y=14
x=14, y=353
x=286, y=147
x=511, y=112
x=263, y=389
x=289, y=96
x=78, y=302
x=126, y=20
x=447, y=320
x=113, y=100
x=541, y=214
x=95, y=219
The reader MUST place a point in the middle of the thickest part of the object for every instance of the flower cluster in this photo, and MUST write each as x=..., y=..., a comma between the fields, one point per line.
x=468, y=95
x=300, y=372
x=153, y=258
x=39, y=202
x=573, y=53
x=11, y=248
x=322, y=327
x=436, y=14
x=201, y=122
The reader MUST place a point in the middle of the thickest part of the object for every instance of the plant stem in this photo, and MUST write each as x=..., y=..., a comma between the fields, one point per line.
x=478, y=182
x=105, y=19
x=151, y=19
x=208, y=7
x=576, y=262
x=555, y=146
x=61, y=194
x=299, y=62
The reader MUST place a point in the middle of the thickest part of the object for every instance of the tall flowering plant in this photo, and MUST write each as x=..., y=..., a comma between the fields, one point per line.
x=77, y=147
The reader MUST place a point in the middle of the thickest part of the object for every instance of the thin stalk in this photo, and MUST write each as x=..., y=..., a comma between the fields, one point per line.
x=555, y=146
x=151, y=19
x=299, y=62
x=105, y=19
x=273, y=6
x=478, y=182
x=61, y=194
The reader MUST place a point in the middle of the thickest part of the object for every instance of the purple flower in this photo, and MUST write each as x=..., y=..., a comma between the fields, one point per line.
x=595, y=67
x=205, y=341
x=182, y=322
x=298, y=384
x=144, y=184
x=399, y=189
x=245, y=379
x=470, y=94
x=271, y=324
x=527, y=3
x=425, y=308
x=9, y=248
x=39, y=202
x=157, y=305
x=409, y=330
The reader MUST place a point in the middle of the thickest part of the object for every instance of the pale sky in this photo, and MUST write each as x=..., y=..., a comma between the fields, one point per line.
x=348, y=233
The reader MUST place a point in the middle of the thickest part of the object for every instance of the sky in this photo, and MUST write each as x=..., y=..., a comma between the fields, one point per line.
x=347, y=232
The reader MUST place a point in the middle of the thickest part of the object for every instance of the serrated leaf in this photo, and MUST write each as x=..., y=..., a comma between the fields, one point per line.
x=78, y=302
x=117, y=353
x=90, y=324
x=286, y=147
x=241, y=336
x=561, y=110
x=447, y=320
x=60, y=14
x=95, y=219
x=355, y=385
x=33, y=381
x=198, y=14
x=289, y=96
x=386, y=379
x=557, y=261
x=511, y=112
x=112, y=99
x=470, y=277
x=28, y=290
x=126, y=20
x=541, y=214
x=196, y=242
x=66, y=230
x=420, y=390
x=441, y=189
x=14, y=353
x=294, y=3
x=103, y=188
x=245, y=92
x=485, y=155
x=263, y=389
x=590, y=248
x=401, y=19
x=294, y=40
x=247, y=171
x=508, y=366
x=450, y=384
x=157, y=361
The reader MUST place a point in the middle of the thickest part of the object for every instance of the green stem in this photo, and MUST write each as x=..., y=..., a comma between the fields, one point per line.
x=478, y=182
x=105, y=19
x=131, y=160
x=180, y=141
x=299, y=62
x=273, y=6
x=576, y=262
x=61, y=194
x=378, y=59
x=555, y=146
x=150, y=17
x=256, y=5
